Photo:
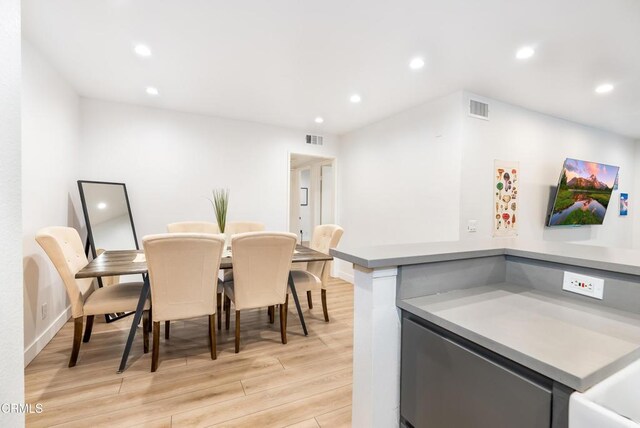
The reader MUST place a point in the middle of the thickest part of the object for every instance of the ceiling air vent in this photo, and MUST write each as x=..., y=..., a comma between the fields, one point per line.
x=316, y=140
x=478, y=109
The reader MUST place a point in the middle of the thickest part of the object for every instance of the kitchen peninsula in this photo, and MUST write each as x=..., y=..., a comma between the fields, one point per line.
x=471, y=324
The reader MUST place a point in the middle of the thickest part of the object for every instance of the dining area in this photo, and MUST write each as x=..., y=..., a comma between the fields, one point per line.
x=199, y=306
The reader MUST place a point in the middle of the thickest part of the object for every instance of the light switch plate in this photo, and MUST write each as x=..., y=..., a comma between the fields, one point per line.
x=583, y=284
x=472, y=226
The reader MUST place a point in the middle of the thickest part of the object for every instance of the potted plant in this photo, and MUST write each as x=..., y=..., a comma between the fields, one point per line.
x=220, y=204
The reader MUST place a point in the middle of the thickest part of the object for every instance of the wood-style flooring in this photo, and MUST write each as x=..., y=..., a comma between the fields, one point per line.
x=305, y=383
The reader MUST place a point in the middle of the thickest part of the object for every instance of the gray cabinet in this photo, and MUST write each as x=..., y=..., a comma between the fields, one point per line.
x=445, y=384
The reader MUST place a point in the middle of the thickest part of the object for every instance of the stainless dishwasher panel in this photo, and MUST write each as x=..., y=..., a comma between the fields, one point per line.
x=446, y=385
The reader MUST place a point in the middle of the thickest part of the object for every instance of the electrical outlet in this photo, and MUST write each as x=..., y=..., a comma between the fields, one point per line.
x=44, y=311
x=583, y=284
x=472, y=226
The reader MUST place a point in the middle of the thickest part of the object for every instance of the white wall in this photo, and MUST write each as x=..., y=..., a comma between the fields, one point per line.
x=11, y=342
x=305, y=210
x=171, y=161
x=540, y=143
x=50, y=165
x=399, y=179
x=422, y=174
x=635, y=201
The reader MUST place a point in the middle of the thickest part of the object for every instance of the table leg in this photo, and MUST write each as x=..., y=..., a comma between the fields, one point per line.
x=144, y=293
x=292, y=286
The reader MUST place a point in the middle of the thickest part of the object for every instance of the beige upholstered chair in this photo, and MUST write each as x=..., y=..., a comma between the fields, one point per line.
x=108, y=280
x=233, y=228
x=197, y=227
x=65, y=249
x=183, y=272
x=316, y=276
x=193, y=227
x=261, y=264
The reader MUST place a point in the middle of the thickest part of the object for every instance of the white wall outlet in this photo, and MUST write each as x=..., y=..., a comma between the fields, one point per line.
x=583, y=284
x=44, y=311
x=472, y=226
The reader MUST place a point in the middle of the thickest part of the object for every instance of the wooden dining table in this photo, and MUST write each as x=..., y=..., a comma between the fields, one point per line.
x=133, y=262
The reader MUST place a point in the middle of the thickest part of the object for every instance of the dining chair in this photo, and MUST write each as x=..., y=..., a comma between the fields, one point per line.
x=316, y=275
x=64, y=247
x=183, y=274
x=193, y=227
x=233, y=228
x=261, y=264
x=108, y=280
x=197, y=227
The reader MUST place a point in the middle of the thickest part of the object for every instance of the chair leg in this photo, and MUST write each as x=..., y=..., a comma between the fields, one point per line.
x=145, y=331
x=309, y=299
x=283, y=323
x=286, y=310
x=212, y=336
x=77, y=339
x=324, y=305
x=150, y=318
x=272, y=314
x=88, y=328
x=156, y=346
x=167, y=329
x=237, y=331
x=219, y=309
x=227, y=312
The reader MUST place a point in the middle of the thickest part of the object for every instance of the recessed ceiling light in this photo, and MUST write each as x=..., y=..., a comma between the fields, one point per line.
x=604, y=88
x=525, y=52
x=416, y=63
x=102, y=205
x=142, y=50
x=152, y=91
x=355, y=98
x=319, y=119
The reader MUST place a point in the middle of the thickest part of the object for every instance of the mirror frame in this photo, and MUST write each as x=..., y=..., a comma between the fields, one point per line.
x=91, y=244
x=87, y=222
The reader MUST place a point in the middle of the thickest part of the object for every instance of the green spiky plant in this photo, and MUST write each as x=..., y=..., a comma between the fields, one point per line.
x=220, y=203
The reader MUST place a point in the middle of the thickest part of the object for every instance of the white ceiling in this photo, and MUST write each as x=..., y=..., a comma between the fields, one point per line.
x=287, y=61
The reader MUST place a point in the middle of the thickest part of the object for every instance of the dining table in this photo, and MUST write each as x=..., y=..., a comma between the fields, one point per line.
x=133, y=262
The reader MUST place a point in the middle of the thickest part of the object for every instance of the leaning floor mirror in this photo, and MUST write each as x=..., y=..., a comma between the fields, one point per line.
x=109, y=221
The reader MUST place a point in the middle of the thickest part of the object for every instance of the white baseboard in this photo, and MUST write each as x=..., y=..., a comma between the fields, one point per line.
x=38, y=345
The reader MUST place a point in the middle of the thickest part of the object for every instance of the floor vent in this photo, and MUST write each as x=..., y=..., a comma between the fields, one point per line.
x=316, y=140
x=478, y=109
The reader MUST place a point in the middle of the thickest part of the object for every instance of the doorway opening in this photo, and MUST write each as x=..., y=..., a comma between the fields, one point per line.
x=312, y=194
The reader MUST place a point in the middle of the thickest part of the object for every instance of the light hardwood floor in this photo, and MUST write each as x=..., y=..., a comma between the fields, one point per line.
x=305, y=383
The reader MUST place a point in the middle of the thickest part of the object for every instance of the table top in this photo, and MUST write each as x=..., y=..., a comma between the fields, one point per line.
x=131, y=262
x=573, y=342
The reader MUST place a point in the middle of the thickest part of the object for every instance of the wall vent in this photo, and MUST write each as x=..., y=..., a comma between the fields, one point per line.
x=478, y=109
x=316, y=140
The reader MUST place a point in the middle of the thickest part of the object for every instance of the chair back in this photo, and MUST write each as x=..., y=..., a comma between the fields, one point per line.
x=325, y=237
x=235, y=227
x=261, y=265
x=108, y=280
x=183, y=274
x=64, y=247
x=193, y=227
